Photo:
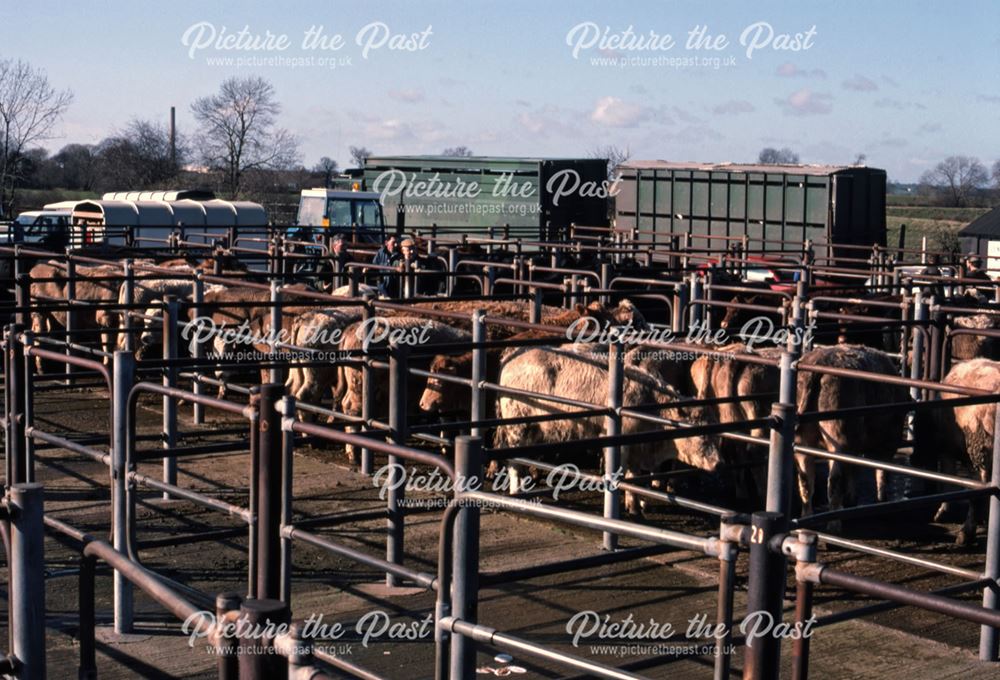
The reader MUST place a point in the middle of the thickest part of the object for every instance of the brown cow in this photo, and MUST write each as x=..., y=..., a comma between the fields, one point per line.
x=965, y=346
x=349, y=382
x=734, y=319
x=233, y=306
x=624, y=312
x=876, y=435
x=88, y=290
x=719, y=376
x=380, y=331
x=47, y=292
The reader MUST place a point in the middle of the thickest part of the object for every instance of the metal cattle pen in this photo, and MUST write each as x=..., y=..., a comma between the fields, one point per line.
x=274, y=431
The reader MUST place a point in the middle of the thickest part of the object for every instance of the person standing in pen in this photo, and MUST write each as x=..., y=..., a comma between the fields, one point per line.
x=386, y=256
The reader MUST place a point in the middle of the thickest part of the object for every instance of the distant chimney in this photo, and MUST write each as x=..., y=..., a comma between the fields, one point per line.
x=173, y=136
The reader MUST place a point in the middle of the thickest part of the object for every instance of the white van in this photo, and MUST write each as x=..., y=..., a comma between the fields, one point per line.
x=48, y=229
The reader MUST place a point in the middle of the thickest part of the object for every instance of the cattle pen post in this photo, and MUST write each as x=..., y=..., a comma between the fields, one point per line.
x=465, y=555
x=24, y=506
x=478, y=396
x=197, y=347
x=122, y=378
x=70, y=313
x=613, y=428
x=28, y=418
x=269, y=498
x=367, y=384
x=989, y=643
x=766, y=594
x=395, y=510
x=169, y=334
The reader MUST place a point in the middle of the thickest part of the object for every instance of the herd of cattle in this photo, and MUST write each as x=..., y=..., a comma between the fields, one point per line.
x=574, y=371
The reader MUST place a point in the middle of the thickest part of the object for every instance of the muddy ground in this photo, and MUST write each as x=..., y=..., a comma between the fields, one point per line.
x=670, y=587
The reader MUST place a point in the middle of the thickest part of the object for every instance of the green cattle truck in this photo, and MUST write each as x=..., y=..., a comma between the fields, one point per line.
x=776, y=207
x=537, y=198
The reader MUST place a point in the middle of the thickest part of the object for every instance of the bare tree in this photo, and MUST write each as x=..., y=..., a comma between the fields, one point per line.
x=328, y=168
x=238, y=130
x=359, y=154
x=29, y=108
x=957, y=177
x=996, y=174
x=615, y=155
x=860, y=159
x=458, y=152
x=138, y=157
x=772, y=156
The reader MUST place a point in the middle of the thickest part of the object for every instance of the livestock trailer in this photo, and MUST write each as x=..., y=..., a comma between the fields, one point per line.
x=155, y=214
x=775, y=207
x=535, y=197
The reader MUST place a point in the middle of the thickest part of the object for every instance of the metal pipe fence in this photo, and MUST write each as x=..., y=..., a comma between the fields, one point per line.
x=272, y=420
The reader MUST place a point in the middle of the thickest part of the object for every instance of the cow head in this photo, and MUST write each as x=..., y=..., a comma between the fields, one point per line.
x=626, y=314
x=699, y=451
x=441, y=395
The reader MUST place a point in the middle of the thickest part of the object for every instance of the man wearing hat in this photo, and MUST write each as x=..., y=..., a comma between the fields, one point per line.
x=410, y=258
x=974, y=267
x=974, y=270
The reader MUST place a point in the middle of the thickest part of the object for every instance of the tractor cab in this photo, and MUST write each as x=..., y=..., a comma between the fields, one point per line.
x=354, y=213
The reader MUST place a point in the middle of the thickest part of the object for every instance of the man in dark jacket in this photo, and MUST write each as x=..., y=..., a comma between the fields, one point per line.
x=974, y=268
x=386, y=256
x=333, y=271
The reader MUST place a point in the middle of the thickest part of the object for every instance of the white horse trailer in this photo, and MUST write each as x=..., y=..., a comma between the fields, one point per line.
x=153, y=215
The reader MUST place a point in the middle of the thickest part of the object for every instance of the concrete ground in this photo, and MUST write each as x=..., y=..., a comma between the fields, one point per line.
x=668, y=588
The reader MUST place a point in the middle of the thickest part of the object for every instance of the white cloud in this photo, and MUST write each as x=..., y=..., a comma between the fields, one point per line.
x=533, y=123
x=805, y=102
x=416, y=134
x=388, y=130
x=614, y=112
x=889, y=103
x=411, y=95
x=859, y=83
x=929, y=128
x=548, y=121
x=790, y=70
x=733, y=107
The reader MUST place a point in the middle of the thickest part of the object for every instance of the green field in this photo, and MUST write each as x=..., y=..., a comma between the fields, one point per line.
x=940, y=225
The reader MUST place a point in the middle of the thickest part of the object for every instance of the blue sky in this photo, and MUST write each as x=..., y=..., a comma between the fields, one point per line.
x=905, y=83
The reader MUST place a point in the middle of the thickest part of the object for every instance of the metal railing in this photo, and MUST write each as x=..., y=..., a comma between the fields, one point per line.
x=274, y=431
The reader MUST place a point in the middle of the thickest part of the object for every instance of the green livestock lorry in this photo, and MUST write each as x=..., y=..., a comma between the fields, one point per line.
x=535, y=198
